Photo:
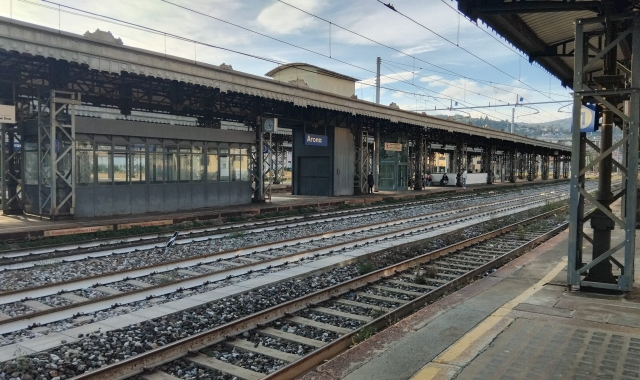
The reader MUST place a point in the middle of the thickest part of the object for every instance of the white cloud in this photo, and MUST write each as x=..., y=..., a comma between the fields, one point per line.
x=282, y=19
x=424, y=48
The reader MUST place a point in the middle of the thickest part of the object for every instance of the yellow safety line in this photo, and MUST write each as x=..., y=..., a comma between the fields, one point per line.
x=430, y=372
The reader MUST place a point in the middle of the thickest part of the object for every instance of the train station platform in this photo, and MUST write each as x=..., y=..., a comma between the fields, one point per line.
x=22, y=227
x=518, y=323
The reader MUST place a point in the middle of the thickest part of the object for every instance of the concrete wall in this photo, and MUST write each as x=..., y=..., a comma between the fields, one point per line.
x=344, y=158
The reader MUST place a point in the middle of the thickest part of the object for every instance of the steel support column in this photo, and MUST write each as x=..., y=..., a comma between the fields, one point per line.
x=11, y=169
x=258, y=167
x=544, y=167
x=512, y=165
x=556, y=166
x=598, y=273
x=376, y=158
x=57, y=153
x=419, y=163
x=362, y=162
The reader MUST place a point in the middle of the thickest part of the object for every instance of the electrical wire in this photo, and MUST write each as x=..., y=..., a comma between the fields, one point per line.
x=484, y=81
x=462, y=48
x=181, y=38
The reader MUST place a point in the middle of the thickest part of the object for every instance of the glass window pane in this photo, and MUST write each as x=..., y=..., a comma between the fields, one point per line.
x=197, y=172
x=138, y=163
x=121, y=169
x=84, y=145
x=212, y=167
x=84, y=167
x=104, y=166
x=223, y=150
x=224, y=168
x=244, y=151
x=235, y=167
x=244, y=166
x=31, y=167
x=235, y=151
x=156, y=167
x=171, y=164
x=185, y=166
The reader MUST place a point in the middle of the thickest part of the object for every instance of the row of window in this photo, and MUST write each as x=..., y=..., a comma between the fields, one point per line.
x=158, y=163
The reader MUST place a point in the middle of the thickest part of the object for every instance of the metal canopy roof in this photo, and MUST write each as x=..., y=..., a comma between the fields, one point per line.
x=544, y=29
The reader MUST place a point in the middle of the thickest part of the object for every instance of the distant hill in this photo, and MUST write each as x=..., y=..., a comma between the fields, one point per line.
x=550, y=128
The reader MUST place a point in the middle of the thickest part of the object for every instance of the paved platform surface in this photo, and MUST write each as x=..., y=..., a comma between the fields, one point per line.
x=29, y=226
x=518, y=323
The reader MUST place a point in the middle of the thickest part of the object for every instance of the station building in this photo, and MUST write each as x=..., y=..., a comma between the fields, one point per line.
x=102, y=129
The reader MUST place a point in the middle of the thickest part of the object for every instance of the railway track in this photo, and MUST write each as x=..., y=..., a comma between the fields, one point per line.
x=287, y=340
x=247, y=261
x=97, y=248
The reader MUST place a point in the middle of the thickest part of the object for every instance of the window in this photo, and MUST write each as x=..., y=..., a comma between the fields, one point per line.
x=234, y=164
x=185, y=164
x=156, y=167
x=171, y=163
x=121, y=170
x=197, y=166
x=138, y=163
x=31, y=164
x=84, y=166
x=224, y=168
x=244, y=166
x=103, y=156
x=212, y=164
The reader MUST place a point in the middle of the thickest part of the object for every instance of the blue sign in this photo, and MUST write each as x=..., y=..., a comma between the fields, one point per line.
x=316, y=140
x=16, y=146
x=588, y=118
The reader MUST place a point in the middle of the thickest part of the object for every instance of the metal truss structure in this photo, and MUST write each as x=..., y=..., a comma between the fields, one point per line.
x=460, y=160
x=556, y=166
x=489, y=158
x=57, y=153
x=11, y=170
x=522, y=164
x=363, y=162
x=544, y=167
x=610, y=78
x=511, y=165
x=418, y=160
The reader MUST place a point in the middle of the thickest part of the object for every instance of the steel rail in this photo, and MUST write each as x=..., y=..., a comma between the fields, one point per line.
x=153, y=358
x=167, y=266
x=183, y=283
x=92, y=246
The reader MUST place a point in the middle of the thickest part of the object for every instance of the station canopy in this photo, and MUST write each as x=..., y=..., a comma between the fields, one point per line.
x=544, y=29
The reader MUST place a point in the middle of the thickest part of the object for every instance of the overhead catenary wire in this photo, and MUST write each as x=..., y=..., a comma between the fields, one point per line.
x=463, y=49
x=484, y=81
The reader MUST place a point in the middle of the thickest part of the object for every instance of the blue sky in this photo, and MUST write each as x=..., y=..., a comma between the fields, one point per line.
x=412, y=83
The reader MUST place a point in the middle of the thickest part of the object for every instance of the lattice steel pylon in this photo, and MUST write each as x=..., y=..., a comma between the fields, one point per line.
x=362, y=162
x=556, y=167
x=420, y=152
x=532, y=166
x=488, y=158
x=11, y=170
x=460, y=158
x=511, y=161
x=544, y=167
x=618, y=83
x=57, y=154
x=522, y=164
x=566, y=164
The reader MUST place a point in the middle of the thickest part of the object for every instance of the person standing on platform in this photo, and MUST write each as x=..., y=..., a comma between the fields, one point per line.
x=464, y=179
x=370, y=182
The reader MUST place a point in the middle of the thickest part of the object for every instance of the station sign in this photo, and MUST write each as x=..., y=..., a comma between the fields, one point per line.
x=316, y=140
x=589, y=118
x=393, y=147
x=7, y=114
